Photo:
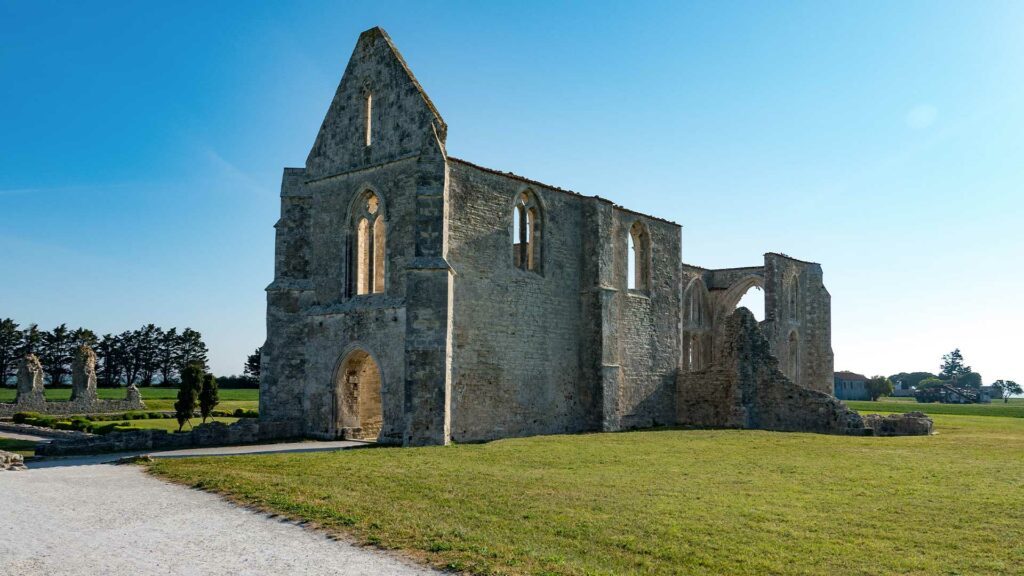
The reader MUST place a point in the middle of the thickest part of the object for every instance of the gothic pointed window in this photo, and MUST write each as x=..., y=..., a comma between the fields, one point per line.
x=794, y=296
x=639, y=258
x=368, y=110
x=369, y=251
x=526, y=232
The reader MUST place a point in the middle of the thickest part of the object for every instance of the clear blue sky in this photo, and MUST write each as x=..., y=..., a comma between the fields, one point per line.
x=141, y=148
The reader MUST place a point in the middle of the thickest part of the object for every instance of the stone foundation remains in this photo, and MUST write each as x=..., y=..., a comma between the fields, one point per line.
x=83, y=390
x=245, y=431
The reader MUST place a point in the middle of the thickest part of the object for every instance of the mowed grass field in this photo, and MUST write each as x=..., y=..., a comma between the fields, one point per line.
x=663, y=502
x=156, y=399
x=171, y=425
x=1012, y=409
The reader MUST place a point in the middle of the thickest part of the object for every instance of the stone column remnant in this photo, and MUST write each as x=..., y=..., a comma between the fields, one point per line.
x=83, y=374
x=132, y=395
x=30, y=381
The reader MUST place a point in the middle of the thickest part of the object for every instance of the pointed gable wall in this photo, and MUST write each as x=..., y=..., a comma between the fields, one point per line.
x=403, y=118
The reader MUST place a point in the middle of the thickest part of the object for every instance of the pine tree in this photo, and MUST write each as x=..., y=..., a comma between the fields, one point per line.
x=56, y=354
x=10, y=343
x=208, y=398
x=191, y=349
x=252, y=364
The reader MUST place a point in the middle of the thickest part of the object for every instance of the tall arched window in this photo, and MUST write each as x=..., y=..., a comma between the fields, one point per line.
x=370, y=250
x=794, y=357
x=639, y=258
x=368, y=109
x=526, y=232
x=794, y=296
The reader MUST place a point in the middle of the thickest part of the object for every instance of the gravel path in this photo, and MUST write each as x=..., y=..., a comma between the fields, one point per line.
x=20, y=436
x=117, y=520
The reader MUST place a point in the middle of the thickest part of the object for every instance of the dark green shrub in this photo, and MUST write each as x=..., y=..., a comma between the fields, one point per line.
x=208, y=396
x=23, y=417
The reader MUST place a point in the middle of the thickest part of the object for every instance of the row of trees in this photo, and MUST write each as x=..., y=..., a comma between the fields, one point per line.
x=144, y=357
x=953, y=373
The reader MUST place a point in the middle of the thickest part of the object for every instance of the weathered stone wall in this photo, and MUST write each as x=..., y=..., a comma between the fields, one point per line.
x=646, y=322
x=797, y=315
x=744, y=388
x=798, y=309
x=400, y=110
x=30, y=396
x=245, y=431
x=516, y=332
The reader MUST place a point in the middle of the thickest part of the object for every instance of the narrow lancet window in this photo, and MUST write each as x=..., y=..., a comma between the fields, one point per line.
x=526, y=233
x=369, y=251
x=363, y=257
x=638, y=277
x=369, y=119
x=378, y=255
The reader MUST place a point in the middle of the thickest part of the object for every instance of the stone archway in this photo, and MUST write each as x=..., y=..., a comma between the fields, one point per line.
x=358, y=413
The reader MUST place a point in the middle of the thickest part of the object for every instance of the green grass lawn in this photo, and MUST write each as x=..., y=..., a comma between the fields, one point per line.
x=156, y=399
x=664, y=502
x=171, y=425
x=23, y=447
x=1013, y=409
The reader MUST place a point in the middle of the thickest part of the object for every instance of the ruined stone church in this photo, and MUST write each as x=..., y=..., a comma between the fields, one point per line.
x=421, y=299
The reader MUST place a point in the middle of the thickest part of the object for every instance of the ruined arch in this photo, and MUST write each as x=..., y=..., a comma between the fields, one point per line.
x=368, y=244
x=527, y=231
x=731, y=299
x=358, y=409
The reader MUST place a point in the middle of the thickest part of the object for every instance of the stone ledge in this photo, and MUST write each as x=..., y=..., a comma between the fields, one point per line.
x=44, y=432
x=245, y=431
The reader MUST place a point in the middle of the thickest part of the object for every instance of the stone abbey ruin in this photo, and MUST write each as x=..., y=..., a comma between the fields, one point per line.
x=84, y=400
x=421, y=299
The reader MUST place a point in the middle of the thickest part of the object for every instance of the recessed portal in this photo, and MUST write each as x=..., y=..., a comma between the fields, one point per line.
x=358, y=414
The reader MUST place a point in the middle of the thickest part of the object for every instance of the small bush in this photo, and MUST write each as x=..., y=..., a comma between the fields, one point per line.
x=241, y=413
x=23, y=417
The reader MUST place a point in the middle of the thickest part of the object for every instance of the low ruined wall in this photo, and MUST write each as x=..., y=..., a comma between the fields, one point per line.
x=245, y=431
x=744, y=388
x=42, y=431
x=80, y=406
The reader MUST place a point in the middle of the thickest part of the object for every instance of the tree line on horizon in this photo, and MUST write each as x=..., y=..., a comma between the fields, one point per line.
x=953, y=373
x=146, y=356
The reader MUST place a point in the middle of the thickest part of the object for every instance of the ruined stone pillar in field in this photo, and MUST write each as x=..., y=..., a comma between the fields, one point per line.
x=30, y=381
x=83, y=375
x=133, y=396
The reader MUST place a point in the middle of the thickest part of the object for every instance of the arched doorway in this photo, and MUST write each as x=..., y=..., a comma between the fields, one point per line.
x=358, y=413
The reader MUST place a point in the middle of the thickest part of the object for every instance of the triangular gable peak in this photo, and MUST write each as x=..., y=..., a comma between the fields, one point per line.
x=379, y=113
